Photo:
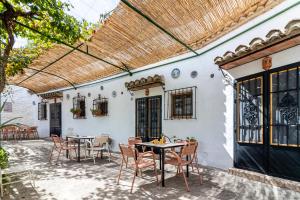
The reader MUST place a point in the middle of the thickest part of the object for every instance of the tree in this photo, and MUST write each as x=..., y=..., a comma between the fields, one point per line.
x=48, y=16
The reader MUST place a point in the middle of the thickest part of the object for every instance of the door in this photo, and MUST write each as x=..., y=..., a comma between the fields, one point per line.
x=55, y=119
x=250, y=137
x=148, y=118
x=268, y=122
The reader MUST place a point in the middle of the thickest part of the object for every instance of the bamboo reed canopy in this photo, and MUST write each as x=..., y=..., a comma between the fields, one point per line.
x=139, y=33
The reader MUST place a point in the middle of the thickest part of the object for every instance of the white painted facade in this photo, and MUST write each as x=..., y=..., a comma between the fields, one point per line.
x=213, y=127
x=24, y=106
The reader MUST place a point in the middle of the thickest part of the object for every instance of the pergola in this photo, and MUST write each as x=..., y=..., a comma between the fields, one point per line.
x=138, y=33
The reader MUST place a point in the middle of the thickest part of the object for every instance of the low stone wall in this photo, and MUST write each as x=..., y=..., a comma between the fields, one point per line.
x=271, y=180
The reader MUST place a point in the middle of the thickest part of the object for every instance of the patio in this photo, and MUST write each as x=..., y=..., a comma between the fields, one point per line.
x=72, y=180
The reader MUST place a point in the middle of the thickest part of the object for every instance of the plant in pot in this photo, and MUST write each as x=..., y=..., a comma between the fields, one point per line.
x=76, y=111
x=191, y=139
x=96, y=112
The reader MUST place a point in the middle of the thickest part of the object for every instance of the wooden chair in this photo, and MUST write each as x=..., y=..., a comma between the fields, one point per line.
x=179, y=160
x=139, y=161
x=100, y=144
x=32, y=133
x=60, y=145
x=5, y=133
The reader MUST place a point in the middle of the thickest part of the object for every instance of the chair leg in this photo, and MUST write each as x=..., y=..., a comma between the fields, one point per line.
x=155, y=172
x=120, y=172
x=58, y=156
x=200, y=175
x=136, y=171
x=184, y=177
x=109, y=154
x=51, y=154
x=93, y=154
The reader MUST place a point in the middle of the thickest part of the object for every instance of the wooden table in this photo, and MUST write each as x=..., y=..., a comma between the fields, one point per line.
x=78, y=139
x=162, y=148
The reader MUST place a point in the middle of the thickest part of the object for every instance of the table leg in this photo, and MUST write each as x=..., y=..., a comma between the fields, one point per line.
x=78, y=158
x=187, y=167
x=162, y=167
x=67, y=151
x=160, y=160
x=89, y=147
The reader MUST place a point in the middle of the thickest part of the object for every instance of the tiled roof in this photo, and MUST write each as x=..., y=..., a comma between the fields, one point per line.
x=275, y=41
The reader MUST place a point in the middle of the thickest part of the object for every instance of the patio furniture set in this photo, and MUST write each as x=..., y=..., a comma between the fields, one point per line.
x=19, y=132
x=93, y=146
x=137, y=154
x=179, y=154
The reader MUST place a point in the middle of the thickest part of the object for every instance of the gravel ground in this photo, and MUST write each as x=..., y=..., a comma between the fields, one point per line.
x=70, y=180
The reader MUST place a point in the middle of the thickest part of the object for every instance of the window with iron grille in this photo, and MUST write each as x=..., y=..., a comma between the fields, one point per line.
x=42, y=111
x=180, y=103
x=79, y=107
x=7, y=107
x=100, y=107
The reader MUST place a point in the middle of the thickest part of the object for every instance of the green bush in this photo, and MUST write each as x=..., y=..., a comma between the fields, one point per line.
x=3, y=158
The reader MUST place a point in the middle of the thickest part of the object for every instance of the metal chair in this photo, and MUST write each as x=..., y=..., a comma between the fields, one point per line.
x=60, y=145
x=179, y=160
x=139, y=161
x=98, y=145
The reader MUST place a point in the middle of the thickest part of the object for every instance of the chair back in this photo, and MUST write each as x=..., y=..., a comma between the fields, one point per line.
x=57, y=141
x=189, y=150
x=101, y=140
x=127, y=151
x=134, y=140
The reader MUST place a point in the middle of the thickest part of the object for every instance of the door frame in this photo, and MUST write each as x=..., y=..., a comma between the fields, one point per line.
x=161, y=110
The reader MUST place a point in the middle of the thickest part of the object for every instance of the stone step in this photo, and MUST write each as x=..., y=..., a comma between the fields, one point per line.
x=271, y=180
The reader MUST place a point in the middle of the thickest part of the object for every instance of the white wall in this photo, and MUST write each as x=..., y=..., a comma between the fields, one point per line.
x=214, y=124
x=24, y=105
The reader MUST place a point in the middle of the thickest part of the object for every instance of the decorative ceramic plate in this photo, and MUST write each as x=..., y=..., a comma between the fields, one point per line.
x=194, y=74
x=175, y=73
x=114, y=94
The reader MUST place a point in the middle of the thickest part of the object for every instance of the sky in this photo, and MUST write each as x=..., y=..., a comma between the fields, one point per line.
x=89, y=10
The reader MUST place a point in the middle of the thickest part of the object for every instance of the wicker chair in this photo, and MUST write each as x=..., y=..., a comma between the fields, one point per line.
x=179, y=160
x=140, y=161
x=60, y=145
x=100, y=144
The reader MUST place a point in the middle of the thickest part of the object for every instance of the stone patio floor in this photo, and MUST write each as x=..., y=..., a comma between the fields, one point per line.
x=70, y=180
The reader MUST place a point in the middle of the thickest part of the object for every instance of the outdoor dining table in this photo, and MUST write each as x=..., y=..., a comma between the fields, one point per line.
x=78, y=139
x=162, y=148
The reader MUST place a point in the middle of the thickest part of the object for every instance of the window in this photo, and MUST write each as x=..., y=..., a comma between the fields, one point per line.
x=100, y=107
x=7, y=107
x=284, y=107
x=250, y=111
x=78, y=109
x=42, y=111
x=180, y=103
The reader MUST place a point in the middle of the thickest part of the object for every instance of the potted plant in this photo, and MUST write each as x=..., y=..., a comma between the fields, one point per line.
x=96, y=112
x=76, y=111
x=191, y=139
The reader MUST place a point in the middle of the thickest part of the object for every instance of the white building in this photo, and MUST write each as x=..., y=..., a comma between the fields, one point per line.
x=210, y=118
x=20, y=103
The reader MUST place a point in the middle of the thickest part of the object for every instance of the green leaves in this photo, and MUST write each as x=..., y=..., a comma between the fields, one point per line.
x=3, y=158
x=49, y=17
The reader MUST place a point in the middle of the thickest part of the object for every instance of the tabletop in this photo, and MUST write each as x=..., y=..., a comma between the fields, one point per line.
x=161, y=146
x=80, y=137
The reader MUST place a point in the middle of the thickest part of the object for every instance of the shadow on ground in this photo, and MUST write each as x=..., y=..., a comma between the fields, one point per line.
x=72, y=180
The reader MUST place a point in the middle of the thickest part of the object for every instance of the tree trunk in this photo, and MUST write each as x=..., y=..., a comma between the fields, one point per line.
x=3, y=65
